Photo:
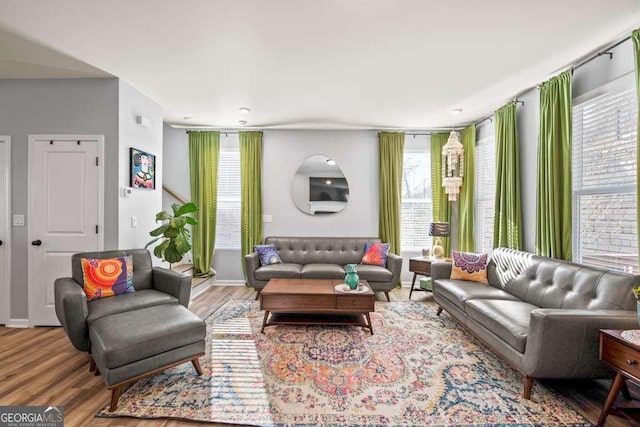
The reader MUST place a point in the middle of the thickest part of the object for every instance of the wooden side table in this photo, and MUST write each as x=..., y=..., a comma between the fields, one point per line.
x=419, y=266
x=624, y=357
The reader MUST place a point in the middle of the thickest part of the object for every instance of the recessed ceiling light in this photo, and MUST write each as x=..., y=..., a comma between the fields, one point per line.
x=242, y=122
x=331, y=162
x=245, y=110
x=456, y=111
x=328, y=182
x=189, y=119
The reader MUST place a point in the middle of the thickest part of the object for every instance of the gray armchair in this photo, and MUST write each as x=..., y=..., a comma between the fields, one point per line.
x=154, y=286
x=165, y=333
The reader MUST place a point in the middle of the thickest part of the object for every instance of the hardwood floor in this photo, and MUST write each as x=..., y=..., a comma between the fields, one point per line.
x=38, y=366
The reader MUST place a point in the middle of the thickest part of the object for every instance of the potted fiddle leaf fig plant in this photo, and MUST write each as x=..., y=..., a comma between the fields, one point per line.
x=174, y=231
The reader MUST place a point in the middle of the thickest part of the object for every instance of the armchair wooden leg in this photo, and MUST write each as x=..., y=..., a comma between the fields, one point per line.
x=528, y=383
x=92, y=364
x=115, y=396
x=439, y=311
x=257, y=295
x=196, y=365
x=387, y=295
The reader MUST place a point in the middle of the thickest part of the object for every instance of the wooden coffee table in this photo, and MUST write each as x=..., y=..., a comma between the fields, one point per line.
x=315, y=302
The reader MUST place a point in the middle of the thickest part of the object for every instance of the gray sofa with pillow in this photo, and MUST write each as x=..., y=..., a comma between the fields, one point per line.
x=322, y=258
x=541, y=315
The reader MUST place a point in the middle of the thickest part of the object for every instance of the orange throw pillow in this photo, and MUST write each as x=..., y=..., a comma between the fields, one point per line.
x=468, y=266
x=107, y=277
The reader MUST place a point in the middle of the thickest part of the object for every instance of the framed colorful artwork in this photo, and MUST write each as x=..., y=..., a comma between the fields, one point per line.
x=143, y=169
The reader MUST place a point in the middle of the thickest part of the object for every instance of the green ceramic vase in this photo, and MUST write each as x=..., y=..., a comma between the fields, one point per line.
x=352, y=278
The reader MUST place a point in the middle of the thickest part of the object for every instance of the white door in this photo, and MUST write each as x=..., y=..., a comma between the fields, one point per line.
x=64, y=214
x=5, y=230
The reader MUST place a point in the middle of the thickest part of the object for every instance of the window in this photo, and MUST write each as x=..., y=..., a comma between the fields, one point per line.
x=228, y=216
x=416, y=211
x=485, y=194
x=604, y=179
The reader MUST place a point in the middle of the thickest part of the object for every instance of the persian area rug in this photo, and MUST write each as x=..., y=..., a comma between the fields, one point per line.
x=417, y=370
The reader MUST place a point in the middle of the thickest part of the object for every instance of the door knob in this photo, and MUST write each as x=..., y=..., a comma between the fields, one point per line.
x=36, y=242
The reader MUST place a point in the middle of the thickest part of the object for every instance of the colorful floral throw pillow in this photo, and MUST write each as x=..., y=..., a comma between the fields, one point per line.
x=107, y=277
x=375, y=254
x=268, y=254
x=468, y=266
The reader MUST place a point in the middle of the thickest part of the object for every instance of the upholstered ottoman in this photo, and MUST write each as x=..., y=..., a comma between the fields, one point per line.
x=135, y=344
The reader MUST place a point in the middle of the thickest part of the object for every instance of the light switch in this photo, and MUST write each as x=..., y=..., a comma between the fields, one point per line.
x=18, y=220
x=267, y=218
x=134, y=222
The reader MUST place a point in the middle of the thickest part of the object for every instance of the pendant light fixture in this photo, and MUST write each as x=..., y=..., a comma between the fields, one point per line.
x=452, y=166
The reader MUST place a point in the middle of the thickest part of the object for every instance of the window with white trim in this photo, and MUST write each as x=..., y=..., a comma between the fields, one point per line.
x=416, y=210
x=228, y=215
x=604, y=178
x=485, y=182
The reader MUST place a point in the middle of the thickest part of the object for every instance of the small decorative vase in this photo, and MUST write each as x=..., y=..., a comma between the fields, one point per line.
x=352, y=278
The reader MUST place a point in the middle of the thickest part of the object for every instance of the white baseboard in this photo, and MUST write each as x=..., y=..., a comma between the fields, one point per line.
x=18, y=323
x=229, y=283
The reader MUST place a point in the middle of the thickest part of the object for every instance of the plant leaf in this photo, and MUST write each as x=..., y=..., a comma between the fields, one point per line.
x=160, y=216
x=175, y=208
x=178, y=222
x=159, y=250
x=182, y=245
x=171, y=254
x=160, y=230
x=188, y=207
x=191, y=220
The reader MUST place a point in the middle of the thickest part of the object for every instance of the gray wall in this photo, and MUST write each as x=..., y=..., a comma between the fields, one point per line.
x=356, y=152
x=60, y=106
x=592, y=75
x=143, y=204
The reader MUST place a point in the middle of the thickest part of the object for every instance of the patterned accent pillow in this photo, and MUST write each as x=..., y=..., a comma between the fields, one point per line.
x=468, y=266
x=268, y=254
x=375, y=254
x=107, y=277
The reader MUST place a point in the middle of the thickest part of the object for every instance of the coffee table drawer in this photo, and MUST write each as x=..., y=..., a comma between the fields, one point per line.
x=296, y=302
x=360, y=302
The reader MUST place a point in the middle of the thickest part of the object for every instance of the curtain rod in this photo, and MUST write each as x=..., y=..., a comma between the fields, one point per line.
x=232, y=132
x=604, y=51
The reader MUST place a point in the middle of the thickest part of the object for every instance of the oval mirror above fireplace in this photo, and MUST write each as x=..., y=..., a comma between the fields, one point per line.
x=319, y=187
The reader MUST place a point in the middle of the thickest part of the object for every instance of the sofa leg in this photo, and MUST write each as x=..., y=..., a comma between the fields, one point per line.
x=528, y=383
x=257, y=295
x=386, y=293
x=439, y=311
x=196, y=365
x=115, y=396
x=92, y=364
x=96, y=371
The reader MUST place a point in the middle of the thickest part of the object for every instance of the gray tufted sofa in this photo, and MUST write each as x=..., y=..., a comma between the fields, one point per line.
x=541, y=315
x=322, y=258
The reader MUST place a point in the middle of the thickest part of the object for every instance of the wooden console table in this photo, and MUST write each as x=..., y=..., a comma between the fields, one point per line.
x=624, y=357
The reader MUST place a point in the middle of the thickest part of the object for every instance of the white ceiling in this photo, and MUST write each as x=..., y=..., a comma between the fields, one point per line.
x=330, y=64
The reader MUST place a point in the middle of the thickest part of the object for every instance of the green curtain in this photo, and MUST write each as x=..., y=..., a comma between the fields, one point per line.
x=440, y=200
x=465, y=206
x=553, y=196
x=251, y=192
x=204, y=148
x=635, y=36
x=391, y=147
x=507, y=223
